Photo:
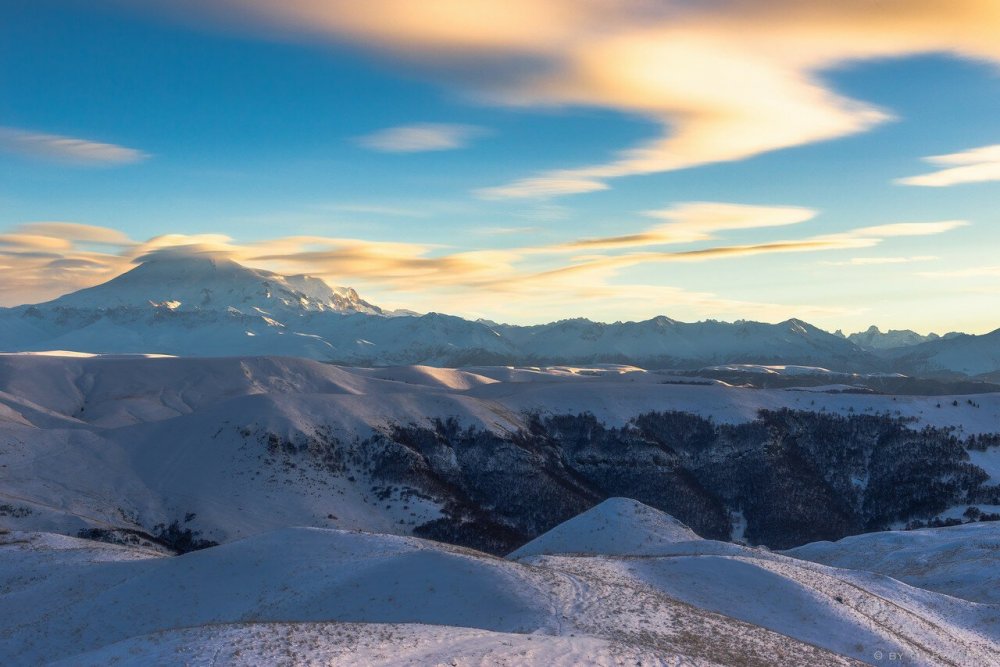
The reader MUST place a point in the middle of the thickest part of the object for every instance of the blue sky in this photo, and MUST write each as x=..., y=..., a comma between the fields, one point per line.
x=471, y=157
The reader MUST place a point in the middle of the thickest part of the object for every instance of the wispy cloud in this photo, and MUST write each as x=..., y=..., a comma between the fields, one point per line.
x=911, y=228
x=881, y=261
x=977, y=165
x=503, y=231
x=549, y=185
x=74, y=231
x=724, y=80
x=69, y=150
x=43, y=260
x=421, y=137
x=968, y=272
x=379, y=210
x=699, y=221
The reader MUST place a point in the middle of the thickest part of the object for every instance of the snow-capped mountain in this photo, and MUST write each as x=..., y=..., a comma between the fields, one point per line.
x=875, y=339
x=191, y=305
x=185, y=282
x=662, y=341
x=198, y=305
x=204, y=306
x=962, y=354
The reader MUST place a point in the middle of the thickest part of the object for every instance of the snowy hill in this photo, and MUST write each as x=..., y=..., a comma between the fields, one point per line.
x=62, y=605
x=299, y=595
x=616, y=527
x=958, y=560
x=848, y=612
x=231, y=447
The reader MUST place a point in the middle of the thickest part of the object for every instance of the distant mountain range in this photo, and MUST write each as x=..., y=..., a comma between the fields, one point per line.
x=874, y=339
x=192, y=305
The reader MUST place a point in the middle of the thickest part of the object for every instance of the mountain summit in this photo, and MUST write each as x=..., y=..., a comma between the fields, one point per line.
x=189, y=282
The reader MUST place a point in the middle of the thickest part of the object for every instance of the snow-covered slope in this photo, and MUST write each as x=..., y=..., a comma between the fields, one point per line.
x=53, y=605
x=959, y=560
x=246, y=445
x=307, y=596
x=369, y=644
x=851, y=613
x=616, y=527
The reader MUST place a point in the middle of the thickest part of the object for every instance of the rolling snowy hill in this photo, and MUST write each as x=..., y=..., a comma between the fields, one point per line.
x=298, y=595
x=262, y=472
x=957, y=560
x=491, y=458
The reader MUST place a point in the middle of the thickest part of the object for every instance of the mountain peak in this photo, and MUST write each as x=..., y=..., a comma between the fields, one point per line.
x=211, y=282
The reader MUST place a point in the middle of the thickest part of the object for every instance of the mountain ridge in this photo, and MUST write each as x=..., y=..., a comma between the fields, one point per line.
x=203, y=305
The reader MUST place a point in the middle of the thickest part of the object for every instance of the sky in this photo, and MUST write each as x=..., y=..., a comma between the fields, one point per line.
x=518, y=160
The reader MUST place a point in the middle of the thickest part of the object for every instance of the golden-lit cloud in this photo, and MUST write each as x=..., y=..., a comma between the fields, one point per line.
x=699, y=221
x=421, y=137
x=74, y=231
x=977, y=165
x=543, y=186
x=68, y=150
x=910, y=229
x=856, y=239
x=42, y=260
x=22, y=242
x=723, y=79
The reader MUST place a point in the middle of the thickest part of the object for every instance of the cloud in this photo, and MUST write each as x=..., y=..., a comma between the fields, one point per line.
x=864, y=237
x=68, y=150
x=503, y=231
x=970, y=272
x=543, y=186
x=74, y=231
x=977, y=165
x=699, y=221
x=881, y=261
x=910, y=228
x=517, y=282
x=380, y=210
x=723, y=80
x=420, y=138
x=17, y=242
